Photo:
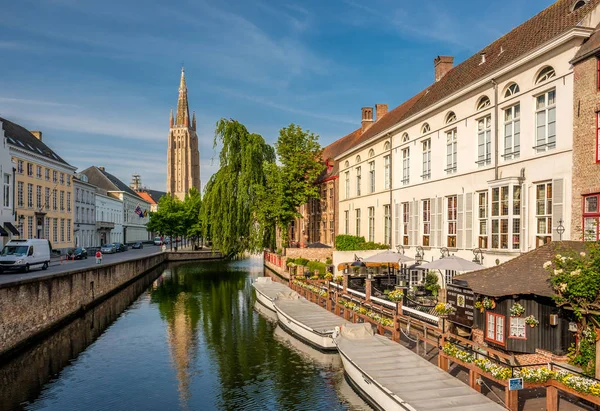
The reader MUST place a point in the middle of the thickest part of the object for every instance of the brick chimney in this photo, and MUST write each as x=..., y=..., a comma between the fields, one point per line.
x=37, y=134
x=101, y=168
x=380, y=111
x=442, y=65
x=367, y=118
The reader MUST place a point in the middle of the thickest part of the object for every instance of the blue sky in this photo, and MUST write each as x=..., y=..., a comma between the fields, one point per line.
x=100, y=77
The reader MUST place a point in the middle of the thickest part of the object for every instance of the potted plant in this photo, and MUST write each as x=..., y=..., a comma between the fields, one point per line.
x=532, y=321
x=443, y=309
x=329, y=276
x=517, y=310
x=395, y=295
x=339, y=279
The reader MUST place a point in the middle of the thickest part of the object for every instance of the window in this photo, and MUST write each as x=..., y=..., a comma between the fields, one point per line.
x=579, y=4
x=357, y=160
x=62, y=178
x=484, y=141
x=30, y=227
x=77, y=195
x=54, y=207
x=483, y=102
x=387, y=224
x=62, y=230
x=545, y=121
x=347, y=183
x=512, y=132
x=495, y=328
x=69, y=231
x=405, y=220
x=511, y=90
x=30, y=169
x=371, y=223
x=543, y=213
x=500, y=217
x=55, y=230
x=516, y=218
x=38, y=197
x=452, y=221
x=347, y=222
x=426, y=159
x=425, y=128
x=387, y=175
x=483, y=215
x=545, y=74
x=20, y=166
x=371, y=153
x=38, y=171
x=6, y=191
x=450, y=117
x=405, y=137
x=406, y=166
x=357, y=222
x=47, y=228
x=30, y=195
x=517, y=328
x=372, y=177
x=47, y=174
x=77, y=215
x=591, y=218
x=426, y=221
x=54, y=176
x=358, y=180
x=68, y=201
x=62, y=201
x=451, y=151
x=68, y=181
x=47, y=198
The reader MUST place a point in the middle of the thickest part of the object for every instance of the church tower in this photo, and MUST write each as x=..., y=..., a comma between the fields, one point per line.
x=183, y=158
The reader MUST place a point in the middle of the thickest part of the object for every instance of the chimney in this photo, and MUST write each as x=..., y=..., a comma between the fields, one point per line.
x=442, y=65
x=367, y=118
x=101, y=168
x=380, y=111
x=37, y=134
x=482, y=58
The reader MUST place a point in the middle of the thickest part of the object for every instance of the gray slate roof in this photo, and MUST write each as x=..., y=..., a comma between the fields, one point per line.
x=106, y=181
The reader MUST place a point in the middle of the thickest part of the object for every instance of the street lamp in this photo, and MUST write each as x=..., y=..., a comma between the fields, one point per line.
x=420, y=254
x=478, y=259
x=400, y=248
x=444, y=251
x=560, y=229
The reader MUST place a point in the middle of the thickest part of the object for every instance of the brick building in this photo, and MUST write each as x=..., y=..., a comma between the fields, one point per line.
x=585, y=207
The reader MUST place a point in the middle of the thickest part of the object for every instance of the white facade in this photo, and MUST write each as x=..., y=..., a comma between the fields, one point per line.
x=488, y=167
x=85, y=213
x=109, y=219
x=7, y=193
x=134, y=226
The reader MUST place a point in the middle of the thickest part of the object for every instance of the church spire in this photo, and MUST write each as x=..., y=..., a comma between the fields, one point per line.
x=194, y=121
x=183, y=111
x=171, y=119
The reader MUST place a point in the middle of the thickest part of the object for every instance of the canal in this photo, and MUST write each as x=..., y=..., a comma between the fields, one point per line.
x=183, y=337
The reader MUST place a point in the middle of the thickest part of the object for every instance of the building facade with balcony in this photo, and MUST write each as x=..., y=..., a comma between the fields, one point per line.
x=85, y=213
x=109, y=218
x=43, y=188
x=7, y=212
x=481, y=160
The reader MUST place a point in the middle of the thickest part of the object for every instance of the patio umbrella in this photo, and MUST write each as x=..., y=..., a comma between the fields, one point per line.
x=387, y=257
x=452, y=263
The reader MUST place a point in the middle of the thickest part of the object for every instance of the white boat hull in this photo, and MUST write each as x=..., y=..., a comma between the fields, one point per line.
x=264, y=300
x=308, y=335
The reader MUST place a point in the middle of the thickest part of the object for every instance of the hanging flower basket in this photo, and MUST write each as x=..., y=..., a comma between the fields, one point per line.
x=517, y=310
x=486, y=303
x=443, y=309
x=532, y=321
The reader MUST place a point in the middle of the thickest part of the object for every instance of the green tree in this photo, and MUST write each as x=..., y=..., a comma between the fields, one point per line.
x=230, y=201
x=192, y=205
x=169, y=219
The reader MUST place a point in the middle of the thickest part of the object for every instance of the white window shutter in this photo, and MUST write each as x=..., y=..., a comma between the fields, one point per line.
x=524, y=217
x=415, y=218
x=433, y=222
x=557, y=206
x=411, y=240
x=459, y=221
x=469, y=221
x=440, y=213
x=397, y=224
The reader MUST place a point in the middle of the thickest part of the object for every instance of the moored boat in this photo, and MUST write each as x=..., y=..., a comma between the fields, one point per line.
x=267, y=289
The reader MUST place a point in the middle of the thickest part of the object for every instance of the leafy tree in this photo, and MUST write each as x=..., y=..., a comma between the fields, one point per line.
x=230, y=201
x=169, y=219
x=192, y=205
x=431, y=283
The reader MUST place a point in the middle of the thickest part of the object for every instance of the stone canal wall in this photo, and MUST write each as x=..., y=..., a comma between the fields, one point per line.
x=31, y=307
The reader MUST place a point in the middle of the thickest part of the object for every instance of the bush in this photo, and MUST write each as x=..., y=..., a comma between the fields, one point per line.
x=317, y=265
x=328, y=261
x=345, y=242
x=301, y=261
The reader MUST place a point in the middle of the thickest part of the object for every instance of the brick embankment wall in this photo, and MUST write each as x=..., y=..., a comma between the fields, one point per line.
x=280, y=271
x=30, y=308
x=319, y=254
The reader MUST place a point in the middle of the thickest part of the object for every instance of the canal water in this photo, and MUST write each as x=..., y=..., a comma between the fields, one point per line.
x=183, y=337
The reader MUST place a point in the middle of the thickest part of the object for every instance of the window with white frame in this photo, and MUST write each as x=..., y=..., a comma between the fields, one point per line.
x=38, y=197
x=483, y=219
x=47, y=198
x=405, y=220
x=54, y=206
x=47, y=175
x=517, y=327
x=30, y=169
x=511, y=90
x=516, y=218
x=543, y=213
x=450, y=117
x=371, y=223
x=406, y=166
x=68, y=201
x=62, y=230
x=30, y=195
x=357, y=211
x=545, y=121
x=426, y=207
x=20, y=193
x=347, y=184
x=347, y=222
x=38, y=171
x=451, y=151
x=6, y=191
x=358, y=180
x=387, y=224
x=500, y=217
x=62, y=178
x=495, y=328
x=387, y=174
x=372, y=176
x=483, y=103
x=69, y=230
x=452, y=215
x=512, y=132
x=545, y=74
x=20, y=166
x=405, y=138
x=55, y=230
x=484, y=141
x=425, y=128
x=62, y=201
x=426, y=159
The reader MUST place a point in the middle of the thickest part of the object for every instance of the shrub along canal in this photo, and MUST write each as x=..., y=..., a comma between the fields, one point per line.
x=185, y=336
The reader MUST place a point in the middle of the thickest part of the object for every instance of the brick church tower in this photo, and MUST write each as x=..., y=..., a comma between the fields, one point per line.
x=183, y=158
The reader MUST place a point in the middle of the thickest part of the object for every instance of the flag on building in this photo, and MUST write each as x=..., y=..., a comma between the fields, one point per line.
x=138, y=211
x=145, y=213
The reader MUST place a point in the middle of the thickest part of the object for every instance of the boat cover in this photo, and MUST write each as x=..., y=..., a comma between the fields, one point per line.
x=270, y=288
x=309, y=314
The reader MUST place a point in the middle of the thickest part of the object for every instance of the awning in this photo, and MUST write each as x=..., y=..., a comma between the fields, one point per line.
x=3, y=232
x=11, y=228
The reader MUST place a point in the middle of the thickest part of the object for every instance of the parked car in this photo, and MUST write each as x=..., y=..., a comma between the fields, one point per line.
x=78, y=253
x=121, y=247
x=24, y=254
x=158, y=241
x=108, y=249
x=137, y=245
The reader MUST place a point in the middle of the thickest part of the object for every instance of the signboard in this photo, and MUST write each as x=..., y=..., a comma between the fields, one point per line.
x=515, y=384
x=463, y=299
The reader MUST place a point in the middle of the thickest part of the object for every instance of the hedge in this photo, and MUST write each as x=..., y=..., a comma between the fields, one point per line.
x=345, y=242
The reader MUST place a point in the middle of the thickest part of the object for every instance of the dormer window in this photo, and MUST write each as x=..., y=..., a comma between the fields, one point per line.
x=425, y=128
x=545, y=74
x=578, y=4
x=483, y=103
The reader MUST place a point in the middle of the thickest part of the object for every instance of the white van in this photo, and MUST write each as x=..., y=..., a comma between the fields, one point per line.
x=25, y=254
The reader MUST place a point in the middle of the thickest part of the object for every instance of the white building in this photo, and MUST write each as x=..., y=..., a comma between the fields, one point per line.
x=109, y=218
x=134, y=225
x=7, y=214
x=85, y=213
x=480, y=160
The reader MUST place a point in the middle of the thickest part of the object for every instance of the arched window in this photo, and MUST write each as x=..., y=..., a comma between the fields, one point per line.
x=578, y=4
x=386, y=146
x=511, y=90
x=450, y=117
x=371, y=153
x=405, y=137
x=346, y=164
x=425, y=128
x=545, y=74
x=357, y=159
x=483, y=102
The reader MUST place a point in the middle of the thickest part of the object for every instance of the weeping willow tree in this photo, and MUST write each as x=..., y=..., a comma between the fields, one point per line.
x=228, y=215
